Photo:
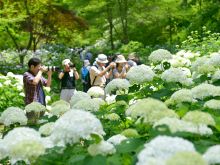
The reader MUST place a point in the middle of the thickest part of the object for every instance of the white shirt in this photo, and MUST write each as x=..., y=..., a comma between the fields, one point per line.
x=94, y=74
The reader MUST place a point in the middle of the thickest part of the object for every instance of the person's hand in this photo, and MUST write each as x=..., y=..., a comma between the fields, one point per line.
x=126, y=66
x=49, y=73
x=43, y=68
x=112, y=65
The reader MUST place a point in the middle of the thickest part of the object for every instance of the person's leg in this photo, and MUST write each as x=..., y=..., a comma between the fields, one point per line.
x=70, y=94
x=64, y=95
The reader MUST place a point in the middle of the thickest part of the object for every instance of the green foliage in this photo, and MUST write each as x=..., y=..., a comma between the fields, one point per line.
x=204, y=42
x=10, y=94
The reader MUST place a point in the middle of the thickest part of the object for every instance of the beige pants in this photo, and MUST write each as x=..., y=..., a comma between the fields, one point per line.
x=66, y=94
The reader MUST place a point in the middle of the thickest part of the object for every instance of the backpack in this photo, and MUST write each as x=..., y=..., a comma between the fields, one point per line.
x=85, y=74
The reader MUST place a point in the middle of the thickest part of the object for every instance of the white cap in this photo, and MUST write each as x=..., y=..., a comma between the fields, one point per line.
x=66, y=61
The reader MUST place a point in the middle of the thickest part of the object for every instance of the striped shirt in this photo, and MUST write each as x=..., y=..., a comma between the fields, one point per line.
x=32, y=92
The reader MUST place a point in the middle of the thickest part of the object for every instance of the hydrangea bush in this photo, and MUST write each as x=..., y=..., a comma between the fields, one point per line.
x=165, y=117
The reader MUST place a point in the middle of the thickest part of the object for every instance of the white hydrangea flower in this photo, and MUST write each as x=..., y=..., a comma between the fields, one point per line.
x=187, y=54
x=99, y=101
x=110, y=99
x=19, y=87
x=212, y=104
x=214, y=59
x=96, y=92
x=182, y=95
x=10, y=74
x=46, y=129
x=35, y=107
x=205, y=90
x=13, y=115
x=150, y=110
x=160, y=55
x=202, y=65
x=177, y=125
x=117, y=84
x=140, y=74
x=157, y=115
x=22, y=94
x=103, y=148
x=112, y=116
x=47, y=89
x=162, y=148
x=23, y=144
x=212, y=155
x=199, y=117
x=7, y=82
x=178, y=61
x=3, y=150
x=87, y=105
x=116, y=139
x=216, y=75
x=58, y=108
x=75, y=124
x=176, y=75
x=78, y=95
x=186, y=158
x=47, y=99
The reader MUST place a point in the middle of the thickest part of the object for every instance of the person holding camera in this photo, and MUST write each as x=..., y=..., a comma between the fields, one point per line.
x=98, y=72
x=34, y=82
x=68, y=77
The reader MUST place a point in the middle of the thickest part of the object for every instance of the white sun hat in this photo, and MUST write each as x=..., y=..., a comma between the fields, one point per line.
x=120, y=59
x=102, y=58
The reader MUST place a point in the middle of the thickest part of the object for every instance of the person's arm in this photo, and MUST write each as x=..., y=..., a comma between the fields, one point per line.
x=61, y=74
x=111, y=65
x=76, y=74
x=37, y=78
x=109, y=74
x=49, y=74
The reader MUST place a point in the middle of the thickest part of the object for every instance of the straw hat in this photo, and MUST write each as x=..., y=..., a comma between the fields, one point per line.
x=120, y=59
x=102, y=58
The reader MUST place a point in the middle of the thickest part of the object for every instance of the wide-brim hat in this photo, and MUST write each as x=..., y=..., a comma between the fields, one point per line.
x=120, y=59
x=102, y=58
x=66, y=61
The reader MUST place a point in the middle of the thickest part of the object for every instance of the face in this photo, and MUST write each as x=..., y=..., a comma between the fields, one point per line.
x=67, y=67
x=101, y=64
x=35, y=69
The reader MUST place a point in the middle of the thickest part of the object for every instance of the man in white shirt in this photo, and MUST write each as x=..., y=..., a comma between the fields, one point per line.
x=98, y=72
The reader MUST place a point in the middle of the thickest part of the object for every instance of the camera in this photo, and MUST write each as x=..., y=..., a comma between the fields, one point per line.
x=71, y=65
x=53, y=68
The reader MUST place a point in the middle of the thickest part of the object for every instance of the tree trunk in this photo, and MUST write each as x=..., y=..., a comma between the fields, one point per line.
x=110, y=21
x=123, y=10
x=13, y=39
x=30, y=25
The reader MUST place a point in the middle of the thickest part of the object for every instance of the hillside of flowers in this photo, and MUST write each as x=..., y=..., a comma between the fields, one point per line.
x=164, y=113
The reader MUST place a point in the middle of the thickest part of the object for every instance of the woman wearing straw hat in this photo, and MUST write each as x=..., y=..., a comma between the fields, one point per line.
x=121, y=67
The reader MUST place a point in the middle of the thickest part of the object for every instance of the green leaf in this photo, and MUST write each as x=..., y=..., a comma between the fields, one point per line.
x=96, y=138
x=96, y=160
x=130, y=145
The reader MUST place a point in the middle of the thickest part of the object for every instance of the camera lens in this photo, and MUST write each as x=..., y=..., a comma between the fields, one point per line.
x=53, y=68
